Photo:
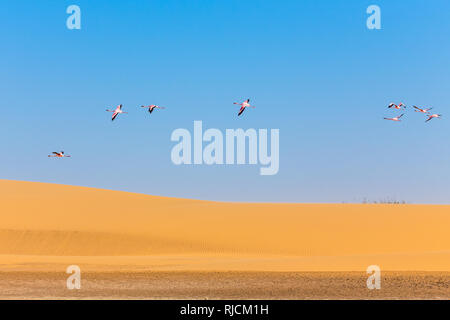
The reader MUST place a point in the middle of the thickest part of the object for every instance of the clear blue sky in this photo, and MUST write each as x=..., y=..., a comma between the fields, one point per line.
x=312, y=68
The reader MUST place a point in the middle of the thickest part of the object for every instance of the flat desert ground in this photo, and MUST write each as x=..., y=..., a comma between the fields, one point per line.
x=136, y=246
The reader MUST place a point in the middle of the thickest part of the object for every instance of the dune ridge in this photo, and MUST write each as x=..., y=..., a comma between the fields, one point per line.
x=48, y=224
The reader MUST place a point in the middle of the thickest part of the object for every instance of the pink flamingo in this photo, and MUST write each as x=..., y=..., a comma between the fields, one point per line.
x=116, y=112
x=398, y=107
x=431, y=116
x=152, y=107
x=395, y=118
x=59, y=155
x=421, y=110
x=243, y=105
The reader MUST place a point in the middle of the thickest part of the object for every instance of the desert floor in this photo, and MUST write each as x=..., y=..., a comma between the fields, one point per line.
x=224, y=285
x=139, y=246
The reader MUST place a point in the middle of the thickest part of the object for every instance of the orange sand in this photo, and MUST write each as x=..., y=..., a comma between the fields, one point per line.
x=48, y=226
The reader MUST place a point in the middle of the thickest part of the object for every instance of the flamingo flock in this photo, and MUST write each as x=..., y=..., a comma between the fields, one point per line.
x=246, y=104
x=118, y=110
x=401, y=105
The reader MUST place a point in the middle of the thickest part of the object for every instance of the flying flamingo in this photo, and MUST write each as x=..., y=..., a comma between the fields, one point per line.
x=398, y=107
x=59, y=155
x=152, y=107
x=431, y=116
x=421, y=110
x=243, y=105
x=396, y=118
x=116, y=111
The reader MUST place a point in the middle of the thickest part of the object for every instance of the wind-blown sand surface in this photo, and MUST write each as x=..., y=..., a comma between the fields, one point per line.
x=46, y=227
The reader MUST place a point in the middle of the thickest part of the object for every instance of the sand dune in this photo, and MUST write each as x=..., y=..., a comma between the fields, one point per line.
x=48, y=225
